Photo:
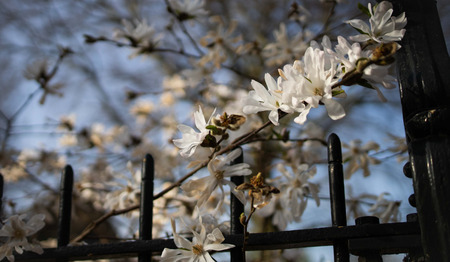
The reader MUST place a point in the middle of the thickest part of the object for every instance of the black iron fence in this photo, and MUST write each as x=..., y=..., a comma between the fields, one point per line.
x=367, y=239
x=424, y=78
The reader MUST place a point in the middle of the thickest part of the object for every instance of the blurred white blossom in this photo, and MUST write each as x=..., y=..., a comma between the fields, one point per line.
x=141, y=36
x=298, y=188
x=219, y=171
x=357, y=157
x=188, y=9
x=219, y=42
x=67, y=122
x=141, y=110
x=17, y=232
x=284, y=49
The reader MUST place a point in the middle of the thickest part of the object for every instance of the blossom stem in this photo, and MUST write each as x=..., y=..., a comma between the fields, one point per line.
x=244, y=139
x=245, y=224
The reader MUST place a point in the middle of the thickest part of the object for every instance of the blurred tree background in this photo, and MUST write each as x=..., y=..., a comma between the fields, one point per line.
x=78, y=87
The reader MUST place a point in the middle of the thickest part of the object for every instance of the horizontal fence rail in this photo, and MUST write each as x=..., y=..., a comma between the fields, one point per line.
x=392, y=238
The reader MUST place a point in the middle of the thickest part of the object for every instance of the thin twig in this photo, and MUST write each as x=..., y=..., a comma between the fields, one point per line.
x=260, y=139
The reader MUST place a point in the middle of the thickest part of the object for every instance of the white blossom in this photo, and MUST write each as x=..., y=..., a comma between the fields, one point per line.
x=67, y=123
x=189, y=8
x=284, y=49
x=197, y=250
x=127, y=190
x=142, y=36
x=141, y=110
x=279, y=210
x=310, y=82
x=384, y=27
x=17, y=232
x=219, y=42
x=219, y=170
x=262, y=99
x=298, y=188
x=357, y=157
x=349, y=55
x=191, y=139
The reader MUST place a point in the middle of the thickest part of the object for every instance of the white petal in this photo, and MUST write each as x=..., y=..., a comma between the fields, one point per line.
x=334, y=109
x=360, y=38
x=199, y=118
x=301, y=119
x=359, y=24
x=270, y=82
x=262, y=92
x=218, y=247
x=273, y=117
x=253, y=109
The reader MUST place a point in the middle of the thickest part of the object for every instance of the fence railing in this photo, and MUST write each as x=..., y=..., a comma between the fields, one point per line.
x=367, y=238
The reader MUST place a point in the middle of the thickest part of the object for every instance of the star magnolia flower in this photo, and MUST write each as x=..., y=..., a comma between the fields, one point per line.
x=187, y=9
x=142, y=37
x=349, y=55
x=284, y=49
x=219, y=42
x=384, y=27
x=311, y=82
x=219, y=170
x=262, y=99
x=17, y=233
x=279, y=210
x=190, y=138
x=137, y=32
x=198, y=249
x=358, y=157
x=298, y=188
x=202, y=217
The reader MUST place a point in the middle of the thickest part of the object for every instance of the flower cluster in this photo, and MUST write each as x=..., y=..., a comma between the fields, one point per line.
x=317, y=78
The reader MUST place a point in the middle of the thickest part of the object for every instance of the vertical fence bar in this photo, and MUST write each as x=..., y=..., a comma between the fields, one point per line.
x=236, y=209
x=65, y=206
x=146, y=208
x=337, y=195
x=423, y=67
x=368, y=256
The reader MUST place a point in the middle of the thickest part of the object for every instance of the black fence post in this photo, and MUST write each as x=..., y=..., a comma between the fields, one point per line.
x=146, y=204
x=236, y=209
x=65, y=206
x=337, y=195
x=423, y=67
